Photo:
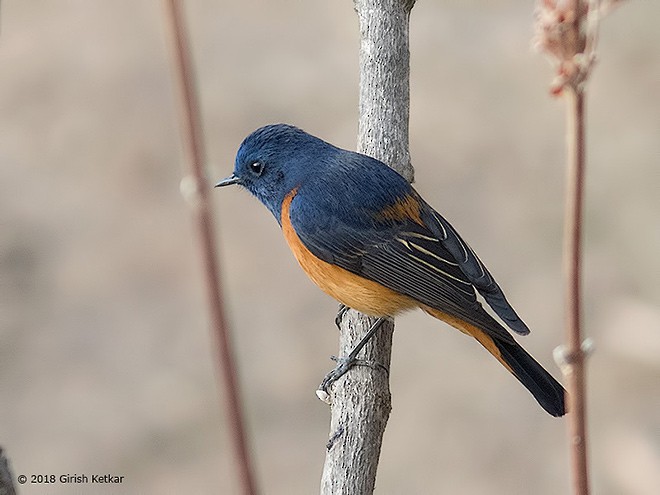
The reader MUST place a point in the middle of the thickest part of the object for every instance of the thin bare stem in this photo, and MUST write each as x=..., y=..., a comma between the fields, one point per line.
x=566, y=31
x=574, y=355
x=575, y=368
x=196, y=189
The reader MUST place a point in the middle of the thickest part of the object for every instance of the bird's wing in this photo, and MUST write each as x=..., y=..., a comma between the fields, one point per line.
x=429, y=263
x=473, y=268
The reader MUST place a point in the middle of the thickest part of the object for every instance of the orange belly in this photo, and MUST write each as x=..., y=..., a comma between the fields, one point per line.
x=356, y=292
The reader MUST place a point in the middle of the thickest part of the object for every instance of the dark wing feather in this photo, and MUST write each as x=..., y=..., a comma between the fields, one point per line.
x=474, y=269
x=417, y=265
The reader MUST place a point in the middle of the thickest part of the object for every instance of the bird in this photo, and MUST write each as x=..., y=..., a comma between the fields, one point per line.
x=366, y=237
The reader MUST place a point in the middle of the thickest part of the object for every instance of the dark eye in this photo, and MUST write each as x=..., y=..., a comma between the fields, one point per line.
x=256, y=168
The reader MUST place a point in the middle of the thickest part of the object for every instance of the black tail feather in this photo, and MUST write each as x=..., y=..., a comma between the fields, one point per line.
x=545, y=389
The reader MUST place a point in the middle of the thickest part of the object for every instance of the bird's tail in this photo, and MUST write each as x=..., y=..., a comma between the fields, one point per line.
x=545, y=389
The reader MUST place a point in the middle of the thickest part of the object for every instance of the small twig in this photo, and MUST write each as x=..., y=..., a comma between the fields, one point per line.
x=195, y=189
x=574, y=372
x=566, y=30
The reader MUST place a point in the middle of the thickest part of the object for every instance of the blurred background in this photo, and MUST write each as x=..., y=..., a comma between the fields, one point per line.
x=105, y=358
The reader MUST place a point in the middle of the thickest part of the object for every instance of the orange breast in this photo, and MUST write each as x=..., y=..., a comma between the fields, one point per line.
x=348, y=288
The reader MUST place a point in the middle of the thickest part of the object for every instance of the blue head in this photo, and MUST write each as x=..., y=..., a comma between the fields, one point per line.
x=275, y=159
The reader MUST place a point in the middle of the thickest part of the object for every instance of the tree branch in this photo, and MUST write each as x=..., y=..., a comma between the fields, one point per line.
x=361, y=401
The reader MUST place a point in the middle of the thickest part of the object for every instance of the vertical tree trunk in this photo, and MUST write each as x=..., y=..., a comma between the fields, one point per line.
x=361, y=401
x=385, y=82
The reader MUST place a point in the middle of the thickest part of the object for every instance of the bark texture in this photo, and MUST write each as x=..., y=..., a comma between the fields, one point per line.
x=360, y=400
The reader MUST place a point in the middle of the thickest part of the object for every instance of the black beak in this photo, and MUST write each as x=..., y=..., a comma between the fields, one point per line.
x=232, y=179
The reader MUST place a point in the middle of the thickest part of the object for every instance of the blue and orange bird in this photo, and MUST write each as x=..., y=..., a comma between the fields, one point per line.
x=366, y=237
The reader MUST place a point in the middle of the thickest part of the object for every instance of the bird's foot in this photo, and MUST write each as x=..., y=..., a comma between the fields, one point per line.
x=343, y=365
x=346, y=363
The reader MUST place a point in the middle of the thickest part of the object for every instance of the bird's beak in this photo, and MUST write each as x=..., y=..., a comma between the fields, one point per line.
x=232, y=179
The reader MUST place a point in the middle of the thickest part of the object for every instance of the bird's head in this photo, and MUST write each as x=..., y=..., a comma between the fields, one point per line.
x=274, y=160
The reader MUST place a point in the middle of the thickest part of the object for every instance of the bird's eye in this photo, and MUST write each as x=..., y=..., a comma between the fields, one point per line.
x=256, y=168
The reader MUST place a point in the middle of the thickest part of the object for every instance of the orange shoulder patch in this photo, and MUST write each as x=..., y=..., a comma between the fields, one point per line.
x=407, y=208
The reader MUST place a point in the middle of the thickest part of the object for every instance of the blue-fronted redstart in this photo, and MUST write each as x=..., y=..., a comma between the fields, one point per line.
x=367, y=238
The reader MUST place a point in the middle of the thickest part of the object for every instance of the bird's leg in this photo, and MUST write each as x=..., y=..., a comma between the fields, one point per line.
x=346, y=363
x=340, y=314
